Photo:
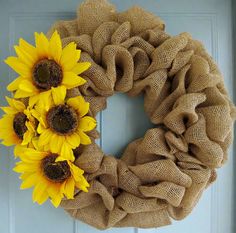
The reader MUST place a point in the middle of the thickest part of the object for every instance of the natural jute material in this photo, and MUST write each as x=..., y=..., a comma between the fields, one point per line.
x=163, y=174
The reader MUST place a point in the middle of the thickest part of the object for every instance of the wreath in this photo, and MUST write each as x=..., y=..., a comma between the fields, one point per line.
x=64, y=81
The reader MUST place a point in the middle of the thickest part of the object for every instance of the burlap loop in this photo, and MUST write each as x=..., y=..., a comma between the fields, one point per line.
x=163, y=174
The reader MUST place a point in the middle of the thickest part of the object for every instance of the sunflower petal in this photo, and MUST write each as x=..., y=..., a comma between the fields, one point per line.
x=18, y=105
x=81, y=187
x=76, y=171
x=22, y=94
x=66, y=153
x=56, y=201
x=55, y=194
x=15, y=84
x=9, y=110
x=84, y=138
x=28, y=48
x=45, y=100
x=28, y=86
x=87, y=123
x=55, y=47
x=79, y=104
x=45, y=137
x=42, y=45
x=71, y=80
x=53, y=143
x=30, y=181
x=73, y=140
x=22, y=167
x=70, y=56
x=24, y=57
x=81, y=67
x=39, y=192
x=69, y=188
x=56, y=143
x=27, y=137
x=33, y=100
x=59, y=94
x=18, y=66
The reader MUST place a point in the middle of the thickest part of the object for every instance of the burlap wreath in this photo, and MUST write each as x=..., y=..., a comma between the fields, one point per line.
x=163, y=174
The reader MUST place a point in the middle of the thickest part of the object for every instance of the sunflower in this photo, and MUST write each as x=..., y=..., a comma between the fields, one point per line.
x=63, y=125
x=45, y=66
x=50, y=179
x=17, y=126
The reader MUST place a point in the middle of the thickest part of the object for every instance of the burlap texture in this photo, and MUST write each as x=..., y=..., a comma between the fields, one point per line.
x=163, y=174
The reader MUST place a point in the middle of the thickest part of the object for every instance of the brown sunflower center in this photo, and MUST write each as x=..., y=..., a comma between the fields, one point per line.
x=46, y=74
x=19, y=124
x=55, y=171
x=62, y=119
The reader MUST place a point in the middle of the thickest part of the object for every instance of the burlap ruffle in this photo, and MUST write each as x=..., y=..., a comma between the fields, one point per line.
x=163, y=174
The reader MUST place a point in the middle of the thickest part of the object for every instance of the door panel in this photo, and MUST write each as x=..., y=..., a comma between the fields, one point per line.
x=124, y=120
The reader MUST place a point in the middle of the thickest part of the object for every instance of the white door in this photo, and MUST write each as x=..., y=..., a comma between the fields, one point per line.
x=207, y=20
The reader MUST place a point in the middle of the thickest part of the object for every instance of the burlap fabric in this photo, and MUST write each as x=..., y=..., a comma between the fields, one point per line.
x=163, y=174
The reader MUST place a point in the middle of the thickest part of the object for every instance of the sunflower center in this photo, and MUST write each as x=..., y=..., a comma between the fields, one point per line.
x=19, y=124
x=46, y=74
x=62, y=119
x=55, y=171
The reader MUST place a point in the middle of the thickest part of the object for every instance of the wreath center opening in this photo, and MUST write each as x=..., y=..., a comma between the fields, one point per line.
x=121, y=122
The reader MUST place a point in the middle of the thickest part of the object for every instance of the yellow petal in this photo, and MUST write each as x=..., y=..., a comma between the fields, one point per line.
x=71, y=80
x=76, y=171
x=55, y=194
x=9, y=110
x=22, y=167
x=42, y=45
x=39, y=192
x=84, y=138
x=27, y=137
x=69, y=56
x=28, y=86
x=23, y=94
x=46, y=99
x=79, y=104
x=55, y=47
x=16, y=104
x=73, y=140
x=81, y=187
x=56, y=201
x=59, y=94
x=18, y=66
x=24, y=57
x=69, y=188
x=53, y=143
x=18, y=150
x=66, y=153
x=81, y=67
x=28, y=48
x=11, y=141
x=45, y=137
x=6, y=122
x=15, y=84
x=30, y=181
x=44, y=196
x=33, y=100
x=87, y=123
x=56, y=143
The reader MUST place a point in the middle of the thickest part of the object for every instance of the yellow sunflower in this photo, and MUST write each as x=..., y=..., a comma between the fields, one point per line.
x=49, y=178
x=17, y=126
x=63, y=125
x=45, y=66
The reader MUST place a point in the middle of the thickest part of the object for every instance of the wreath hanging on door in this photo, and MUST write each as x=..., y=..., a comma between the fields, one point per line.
x=64, y=82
